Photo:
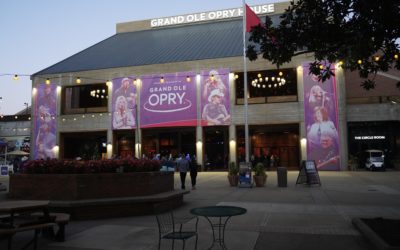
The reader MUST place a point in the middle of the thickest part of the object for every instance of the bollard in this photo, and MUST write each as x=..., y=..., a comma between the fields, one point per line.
x=282, y=176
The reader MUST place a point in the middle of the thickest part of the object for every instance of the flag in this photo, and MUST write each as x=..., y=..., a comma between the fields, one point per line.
x=251, y=18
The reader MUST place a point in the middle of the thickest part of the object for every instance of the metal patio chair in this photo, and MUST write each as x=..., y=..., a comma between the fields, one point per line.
x=170, y=228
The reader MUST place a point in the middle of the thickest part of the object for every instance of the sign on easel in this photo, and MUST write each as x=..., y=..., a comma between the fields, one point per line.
x=308, y=174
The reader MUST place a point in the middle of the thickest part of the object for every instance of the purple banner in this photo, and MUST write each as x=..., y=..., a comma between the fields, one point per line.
x=124, y=103
x=215, y=98
x=168, y=100
x=321, y=121
x=45, y=125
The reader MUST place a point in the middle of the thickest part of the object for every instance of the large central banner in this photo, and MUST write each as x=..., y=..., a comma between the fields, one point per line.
x=168, y=100
x=321, y=120
x=215, y=97
x=45, y=114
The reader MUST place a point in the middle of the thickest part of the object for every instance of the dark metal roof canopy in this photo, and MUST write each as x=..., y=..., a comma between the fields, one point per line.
x=176, y=44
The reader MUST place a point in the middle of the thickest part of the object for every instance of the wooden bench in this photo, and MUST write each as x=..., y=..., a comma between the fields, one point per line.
x=8, y=231
x=61, y=220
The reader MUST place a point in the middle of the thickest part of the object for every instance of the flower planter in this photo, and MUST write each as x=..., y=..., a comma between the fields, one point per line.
x=260, y=180
x=89, y=186
x=233, y=180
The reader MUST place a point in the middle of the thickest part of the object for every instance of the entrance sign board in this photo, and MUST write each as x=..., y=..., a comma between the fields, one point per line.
x=308, y=174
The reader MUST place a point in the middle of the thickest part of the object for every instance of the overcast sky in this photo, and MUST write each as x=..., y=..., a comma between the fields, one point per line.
x=36, y=34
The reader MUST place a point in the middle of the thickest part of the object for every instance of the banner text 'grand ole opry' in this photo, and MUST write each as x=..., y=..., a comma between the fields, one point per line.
x=176, y=85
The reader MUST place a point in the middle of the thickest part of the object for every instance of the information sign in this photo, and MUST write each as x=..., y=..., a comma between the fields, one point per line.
x=308, y=173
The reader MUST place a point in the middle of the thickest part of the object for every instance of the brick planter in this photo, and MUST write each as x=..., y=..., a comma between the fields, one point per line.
x=89, y=186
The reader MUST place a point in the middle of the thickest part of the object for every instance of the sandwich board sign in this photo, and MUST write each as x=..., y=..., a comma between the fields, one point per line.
x=308, y=173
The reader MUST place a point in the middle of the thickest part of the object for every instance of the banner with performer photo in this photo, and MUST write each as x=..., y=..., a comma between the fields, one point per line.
x=44, y=121
x=168, y=100
x=124, y=103
x=321, y=121
x=215, y=97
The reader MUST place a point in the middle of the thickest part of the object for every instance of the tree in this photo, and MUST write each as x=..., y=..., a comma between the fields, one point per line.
x=359, y=35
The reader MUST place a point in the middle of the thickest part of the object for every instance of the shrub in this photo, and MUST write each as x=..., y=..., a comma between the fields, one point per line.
x=233, y=168
x=259, y=169
x=54, y=166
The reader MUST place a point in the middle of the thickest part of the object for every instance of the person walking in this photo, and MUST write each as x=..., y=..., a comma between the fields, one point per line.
x=183, y=167
x=193, y=171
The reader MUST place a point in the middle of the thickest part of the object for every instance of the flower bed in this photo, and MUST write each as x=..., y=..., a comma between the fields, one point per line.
x=55, y=166
x=76, y=180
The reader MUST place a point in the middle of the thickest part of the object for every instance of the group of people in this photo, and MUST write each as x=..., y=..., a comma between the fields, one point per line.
x=322, y=135
x=183, y=163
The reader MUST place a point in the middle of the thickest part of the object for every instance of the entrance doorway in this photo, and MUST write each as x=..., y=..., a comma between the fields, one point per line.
x=169, y=142
x=216, y=148
x=85, y=145
x=125, y=143
x=273, y=145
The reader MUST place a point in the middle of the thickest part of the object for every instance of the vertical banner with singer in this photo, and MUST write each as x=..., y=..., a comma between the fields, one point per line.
x=124, y=103
x=321, y=121
x=215, y=97
x=45, y=122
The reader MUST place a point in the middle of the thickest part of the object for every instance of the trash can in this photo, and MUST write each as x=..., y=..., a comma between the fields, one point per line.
x=282, y=176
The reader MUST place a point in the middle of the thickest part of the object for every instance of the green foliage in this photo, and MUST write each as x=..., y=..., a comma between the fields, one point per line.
x=353, y=32
x=233, y=169
x=259, y=169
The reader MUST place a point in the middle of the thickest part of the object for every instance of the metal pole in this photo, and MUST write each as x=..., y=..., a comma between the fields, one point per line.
x=246, y=124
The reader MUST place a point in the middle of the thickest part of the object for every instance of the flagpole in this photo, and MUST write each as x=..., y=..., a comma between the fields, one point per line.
x=246, y=123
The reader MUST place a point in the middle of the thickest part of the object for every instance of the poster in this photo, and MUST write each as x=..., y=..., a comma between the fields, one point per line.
x=215, y=97
x=45, y=125
x=124, y=115
x=168, y=100
x=321, y=121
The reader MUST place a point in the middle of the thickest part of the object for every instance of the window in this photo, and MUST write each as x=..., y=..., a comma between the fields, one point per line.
x=85, y=99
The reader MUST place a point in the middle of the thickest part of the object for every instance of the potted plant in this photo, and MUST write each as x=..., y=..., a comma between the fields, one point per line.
x=233, y=176
x=260, y=177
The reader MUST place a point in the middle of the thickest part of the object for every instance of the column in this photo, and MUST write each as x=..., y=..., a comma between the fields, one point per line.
x=341, y=96
x=302, y=128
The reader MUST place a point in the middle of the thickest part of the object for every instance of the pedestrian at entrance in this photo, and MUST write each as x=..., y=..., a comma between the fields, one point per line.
x=183, y=167
x=193, y=171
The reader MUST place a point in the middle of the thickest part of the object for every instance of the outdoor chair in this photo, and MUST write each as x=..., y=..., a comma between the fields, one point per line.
x=170, y=228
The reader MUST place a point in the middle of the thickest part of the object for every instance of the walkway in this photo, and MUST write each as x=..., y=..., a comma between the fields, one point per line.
x=296, y=217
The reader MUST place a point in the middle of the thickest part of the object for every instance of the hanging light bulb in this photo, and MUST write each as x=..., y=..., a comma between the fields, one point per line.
x=259, y=75
x=280, y=73
x=260, y=79
x=162, y=80
x=236, y=76
x=188, y=79
x=78, y=80
x=266, y=78
x=47, y=81
x=359, y=61
x=376, y=58
x=273, y=78
x=396, y=56
x=16, y=77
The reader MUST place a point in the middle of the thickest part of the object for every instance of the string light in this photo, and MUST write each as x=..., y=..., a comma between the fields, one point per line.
x=280, y=73
x=188, y=79
x=135, y=81
x=236, y=76
x=396, y=56
x=376, y=58
x=15, y=77
x=78, y=80
x=47, y=81
x=321, y=66
x=359, y=61
x=162, y=80
x=212, y=78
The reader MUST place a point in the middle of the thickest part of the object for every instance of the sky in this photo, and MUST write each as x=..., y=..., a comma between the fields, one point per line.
x=35, y=34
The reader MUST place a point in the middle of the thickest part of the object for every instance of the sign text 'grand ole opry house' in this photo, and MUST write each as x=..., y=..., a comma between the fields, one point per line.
x=176, y=85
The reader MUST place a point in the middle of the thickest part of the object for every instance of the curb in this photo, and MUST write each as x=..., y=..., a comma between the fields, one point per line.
x=371, y=236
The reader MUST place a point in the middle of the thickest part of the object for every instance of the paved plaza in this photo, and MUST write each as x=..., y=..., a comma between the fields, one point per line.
x=296, y=217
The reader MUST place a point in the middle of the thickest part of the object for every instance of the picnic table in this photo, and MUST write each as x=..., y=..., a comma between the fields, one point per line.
x=16, y=216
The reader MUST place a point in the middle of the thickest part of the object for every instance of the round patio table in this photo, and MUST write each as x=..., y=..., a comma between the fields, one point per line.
x=223, y=213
